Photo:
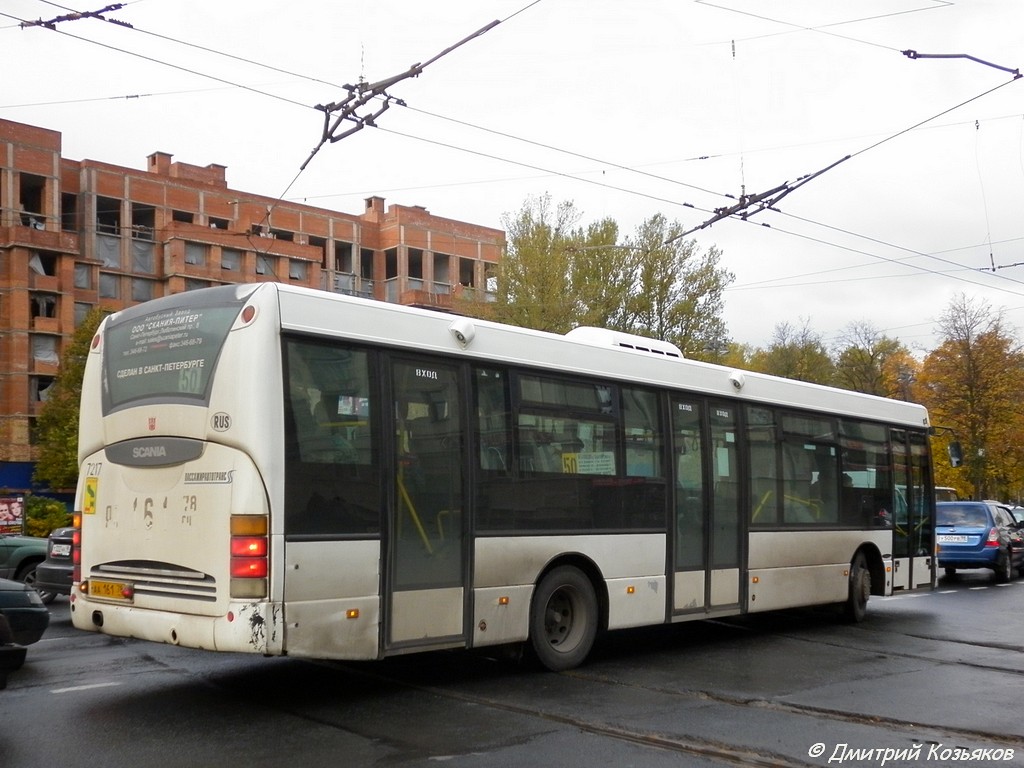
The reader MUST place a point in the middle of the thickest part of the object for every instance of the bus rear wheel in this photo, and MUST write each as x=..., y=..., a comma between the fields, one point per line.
x=856, y=606
x=563, y=619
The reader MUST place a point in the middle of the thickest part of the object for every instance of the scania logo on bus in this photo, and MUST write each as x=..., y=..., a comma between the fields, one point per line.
x=154, y=451
x=150, y=452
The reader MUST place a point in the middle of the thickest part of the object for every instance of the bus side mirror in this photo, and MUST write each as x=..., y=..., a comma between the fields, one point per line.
x=956, y=454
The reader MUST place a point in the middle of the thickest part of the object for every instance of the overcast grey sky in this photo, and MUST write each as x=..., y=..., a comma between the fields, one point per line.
x=625, y=108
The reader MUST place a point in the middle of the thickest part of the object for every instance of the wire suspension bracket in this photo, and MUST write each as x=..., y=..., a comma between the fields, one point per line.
x=359, y=95
x=910, y=54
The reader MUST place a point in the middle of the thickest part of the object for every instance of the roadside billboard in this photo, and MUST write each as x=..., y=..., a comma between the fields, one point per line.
x=12, y=514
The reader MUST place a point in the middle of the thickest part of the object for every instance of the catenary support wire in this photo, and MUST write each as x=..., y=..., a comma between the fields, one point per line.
x=361, y=94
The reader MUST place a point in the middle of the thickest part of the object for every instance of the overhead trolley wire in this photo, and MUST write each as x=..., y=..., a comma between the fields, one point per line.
x=781, y=191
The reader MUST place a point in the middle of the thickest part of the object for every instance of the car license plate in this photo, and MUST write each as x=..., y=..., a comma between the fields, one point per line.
x=109, y=590
x=61, y=550
x=951, y=539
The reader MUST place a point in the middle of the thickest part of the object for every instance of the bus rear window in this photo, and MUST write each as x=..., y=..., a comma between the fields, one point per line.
x=169, y=354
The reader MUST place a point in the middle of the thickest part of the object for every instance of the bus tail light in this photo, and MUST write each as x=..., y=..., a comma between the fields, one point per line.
x=250, y=556
x=993, y=538
x=76, y=548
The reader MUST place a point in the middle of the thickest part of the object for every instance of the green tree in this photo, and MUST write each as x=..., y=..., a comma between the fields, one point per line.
x=535, y=277
x=558, y=275
x=795, y=353
x=872, y=363
x=43, y=515
x=737, y=355
x=57, y=424
x=675, y=292
x=972, y=383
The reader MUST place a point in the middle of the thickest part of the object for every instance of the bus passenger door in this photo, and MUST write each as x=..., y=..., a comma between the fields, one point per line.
x=426, y=544
x=708, y=526
x=912, y=512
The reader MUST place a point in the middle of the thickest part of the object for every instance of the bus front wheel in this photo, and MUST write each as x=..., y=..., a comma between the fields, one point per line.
x=563, y=619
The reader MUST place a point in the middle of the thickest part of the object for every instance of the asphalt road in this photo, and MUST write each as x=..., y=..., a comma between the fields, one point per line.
x=927, y=675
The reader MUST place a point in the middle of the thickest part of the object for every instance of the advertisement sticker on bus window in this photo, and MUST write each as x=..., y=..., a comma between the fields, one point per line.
x=168, y=353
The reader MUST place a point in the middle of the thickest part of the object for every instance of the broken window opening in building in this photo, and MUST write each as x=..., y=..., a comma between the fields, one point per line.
x=416, y=263
x=297, y=270
x=68, y=212
x=321, y=243
x=390, y=263
x=185, y=217
x=83, y=277
x=343, y=260
x=43, y=305
x=143, y=290
x=109, y=286
x=230, y=259
x=216, y=223
x=82, y=311
x=263, y=265
x=195, y=285
x=195, y=253
x=442, y=272
x=143, y=254
x=491, y=281
x=108, y=250
x=143, y=221
x=40, y=388
x=108, y=215
x=31, y=199
x=467, y=273
x=366, y=263
x=43, y=263
x=44, y=349
x=283, y=234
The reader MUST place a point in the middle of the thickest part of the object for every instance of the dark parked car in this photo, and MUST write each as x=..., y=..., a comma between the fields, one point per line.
x=53, y=575
x=19, y=557
x=979, y=534
x=23, y=608
x=23, y=619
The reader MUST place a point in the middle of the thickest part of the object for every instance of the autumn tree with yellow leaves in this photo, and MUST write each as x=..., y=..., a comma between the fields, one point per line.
x=973, y=383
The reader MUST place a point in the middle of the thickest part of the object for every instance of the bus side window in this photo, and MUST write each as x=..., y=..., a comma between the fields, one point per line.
x=492, y=414
x=332, y=477
x=643, y=433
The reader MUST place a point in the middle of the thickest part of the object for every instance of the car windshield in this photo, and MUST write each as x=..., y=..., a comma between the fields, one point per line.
x=962, y=516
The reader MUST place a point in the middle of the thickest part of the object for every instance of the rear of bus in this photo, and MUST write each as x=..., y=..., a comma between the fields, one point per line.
x=178, y=417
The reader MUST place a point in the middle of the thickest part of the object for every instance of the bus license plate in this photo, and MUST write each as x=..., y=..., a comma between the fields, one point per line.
x=950, y=539
x=109, y=590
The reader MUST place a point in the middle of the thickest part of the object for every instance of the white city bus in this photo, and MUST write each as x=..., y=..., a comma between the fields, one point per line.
x=278, y=470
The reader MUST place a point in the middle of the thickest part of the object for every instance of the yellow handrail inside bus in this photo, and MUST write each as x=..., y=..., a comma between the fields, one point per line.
x=413, y=515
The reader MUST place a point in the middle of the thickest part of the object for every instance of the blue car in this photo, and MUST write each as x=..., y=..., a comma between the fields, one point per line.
x=979, y=534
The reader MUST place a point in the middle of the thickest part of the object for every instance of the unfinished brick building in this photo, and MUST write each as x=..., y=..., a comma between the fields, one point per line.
x=76, y=234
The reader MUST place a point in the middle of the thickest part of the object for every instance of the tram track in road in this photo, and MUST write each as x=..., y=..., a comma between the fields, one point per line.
x=337, y=695
x=691, y=744
x=734, y=754
x=896, y=726
x=712, y=750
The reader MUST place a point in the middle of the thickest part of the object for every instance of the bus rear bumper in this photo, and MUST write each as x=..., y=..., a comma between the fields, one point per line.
x=255, y=627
